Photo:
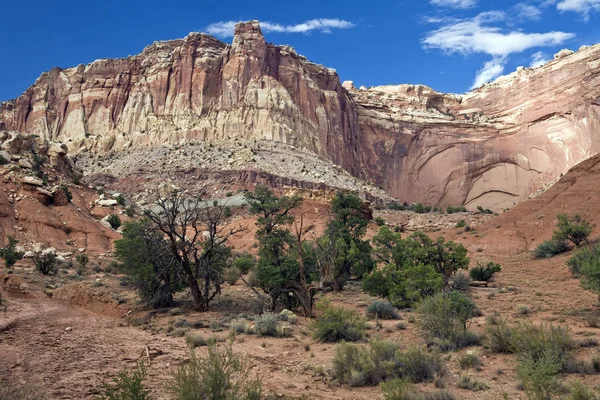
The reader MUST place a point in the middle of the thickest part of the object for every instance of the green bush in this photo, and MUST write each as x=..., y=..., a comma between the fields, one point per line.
x=127, y=385
x=336, y=324
x=574, y=229
x=114, y=221
x=3, y=160
x=121, y=199
x=231, y=275
x=550, y=248
x=240, y=325
x=582, y=257
x=542, y=344
x=266, y=324
x=45, y=262
x=469, y=361
x=468, y=383
x=401, y=389
x=68, y=193
x=360, y=365
x=380, y=221
x=419, y=365
x=498, y=335
x=244, y=262
x=484, y=271
x=444, y=319
x=461, y=224
x=578, y=391
x=452, y=210
x=217, y=374
x=382, y=309
x=9, y=253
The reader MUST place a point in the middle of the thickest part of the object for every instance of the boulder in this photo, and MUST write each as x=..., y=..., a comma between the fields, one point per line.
x=107, y=203
x=30, y=180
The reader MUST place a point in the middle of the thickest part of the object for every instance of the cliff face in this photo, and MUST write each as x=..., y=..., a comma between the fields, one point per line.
x=494, y=146
x=491, y=147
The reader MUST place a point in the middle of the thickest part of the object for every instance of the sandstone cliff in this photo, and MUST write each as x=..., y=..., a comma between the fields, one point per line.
x=492, y=147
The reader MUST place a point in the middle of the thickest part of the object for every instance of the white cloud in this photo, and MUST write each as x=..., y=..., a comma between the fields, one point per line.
x=324, y=25
x=490, y=70
x=478, y=36
x=527, y=11
x=454, y=3
x=581, y=6
x=538, y=59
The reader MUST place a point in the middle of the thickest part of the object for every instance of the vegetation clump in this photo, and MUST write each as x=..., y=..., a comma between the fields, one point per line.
x=337, y=324
x=218, y=374
x=127, y=385
x=485, y=271
x=444, y=318
x=9, y=253
x=382, y=309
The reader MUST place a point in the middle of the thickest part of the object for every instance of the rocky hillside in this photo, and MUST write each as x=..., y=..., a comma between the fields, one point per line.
x=493, y=147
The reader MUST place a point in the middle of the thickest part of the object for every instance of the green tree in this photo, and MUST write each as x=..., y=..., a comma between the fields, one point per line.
x=414, y=268
x=343, y=246
x=286, y=261
x=146, y=256
x=9, y=253
x=574, y=229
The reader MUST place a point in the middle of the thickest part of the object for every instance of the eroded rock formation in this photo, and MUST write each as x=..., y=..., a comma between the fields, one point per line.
x=493, y=147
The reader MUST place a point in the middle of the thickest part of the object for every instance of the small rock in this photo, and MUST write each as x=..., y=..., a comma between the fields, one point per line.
x=68, y=329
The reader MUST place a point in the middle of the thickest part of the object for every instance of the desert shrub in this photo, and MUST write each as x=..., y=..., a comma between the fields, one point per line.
x=484, y=271
x=498, y=335
x=539, y=342
x=231, y=275
x=461, y=224
x=550, y=248
x=288, y=316
x=452, y=210
x=379, y=221
x=523, y=310
x=195, y=340
x=45, y=262
x=468, y=383
x=240, y=325
x=130, y=211
x=3, y=160
x=360, y=365
x=469, y=361
x=9, y=253
x=581, y=257
x=114, y=221
x=402, y=389
x=444, y=318
x=538, y=378
x=68, y=193
x=382, y=309
x=578, y=391
x=127, y=385
x=82, y=262
x=266, y=324
x=120, y=199
x=245, y=262
x=484, y=210
x=574, y=229
x=336, y=324
x=461, y=281
x=217, y=374
x=418, y=365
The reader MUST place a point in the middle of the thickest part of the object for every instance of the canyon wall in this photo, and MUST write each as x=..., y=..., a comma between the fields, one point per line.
x=494, y=146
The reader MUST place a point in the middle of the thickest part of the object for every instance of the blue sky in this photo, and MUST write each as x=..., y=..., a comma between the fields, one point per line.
x=449, y=45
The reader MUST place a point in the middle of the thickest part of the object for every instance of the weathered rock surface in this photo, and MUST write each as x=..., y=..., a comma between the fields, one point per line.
x=493, y=147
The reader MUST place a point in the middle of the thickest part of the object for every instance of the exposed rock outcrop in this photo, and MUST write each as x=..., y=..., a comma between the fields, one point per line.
x=493, y=147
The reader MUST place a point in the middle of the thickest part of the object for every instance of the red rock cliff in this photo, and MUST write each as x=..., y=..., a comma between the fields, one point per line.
x=492, y=147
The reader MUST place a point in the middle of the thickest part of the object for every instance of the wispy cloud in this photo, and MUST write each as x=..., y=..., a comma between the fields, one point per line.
x=481, y=35
x=583, y=7
x=454, y=3
x=324, y=25
x=538, y=59
x=490, y=70
x=525, y=11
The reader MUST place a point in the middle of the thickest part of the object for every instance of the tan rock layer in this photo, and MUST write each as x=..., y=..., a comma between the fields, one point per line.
x=491, y=147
